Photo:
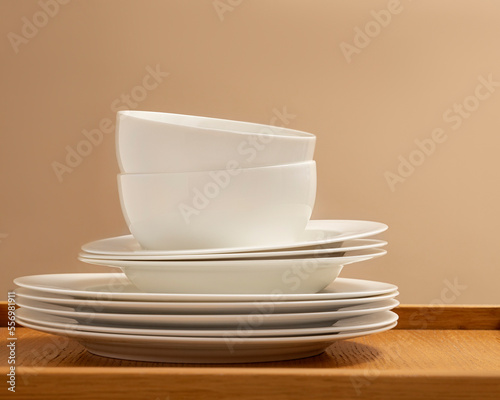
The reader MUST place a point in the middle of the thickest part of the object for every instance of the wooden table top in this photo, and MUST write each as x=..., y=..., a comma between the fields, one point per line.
x=461, y=360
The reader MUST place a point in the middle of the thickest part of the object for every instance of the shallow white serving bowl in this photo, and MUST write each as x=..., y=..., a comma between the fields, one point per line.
x=154, y=142
x=226, y=208
x=263, y=276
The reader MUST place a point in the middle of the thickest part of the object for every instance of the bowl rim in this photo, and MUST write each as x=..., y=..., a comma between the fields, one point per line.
x=306, y=165
x=281, y=131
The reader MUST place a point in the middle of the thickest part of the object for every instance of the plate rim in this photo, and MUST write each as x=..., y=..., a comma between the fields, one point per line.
x=206, y=305
x=120, y=338
x=199, y=297
x=376, y=228
x=237, y=263
x=364, y=244
x=391, y=317
x=200, y=318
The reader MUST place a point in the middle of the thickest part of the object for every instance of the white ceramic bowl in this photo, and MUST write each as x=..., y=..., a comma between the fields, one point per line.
x=212, y=209
x=153, y=142
x=265, y=276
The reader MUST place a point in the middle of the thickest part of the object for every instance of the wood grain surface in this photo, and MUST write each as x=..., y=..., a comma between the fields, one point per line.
x=409, y=364
x=140, y=384
x=450, y=352
x=448, y=317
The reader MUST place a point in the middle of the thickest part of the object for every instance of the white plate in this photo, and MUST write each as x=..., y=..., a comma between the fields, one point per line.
x=318, y=232
x=259, y=276
x=364, y=322
x=115, y=286
x=332, y=249
x=203, y=350
x=239, y=307
x=255, y=320
x=349, y=258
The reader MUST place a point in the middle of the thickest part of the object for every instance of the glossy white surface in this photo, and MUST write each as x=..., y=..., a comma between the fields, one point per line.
x=255, y=320
x=260, y=276
x=127, y=244
x=203, y=350
x=371, y=321
x=153, y=142
x=318, y=233
x=115, y=286
x=265, y=206
x=192, y=307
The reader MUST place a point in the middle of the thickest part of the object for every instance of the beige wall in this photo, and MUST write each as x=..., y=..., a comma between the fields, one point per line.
x=367, y=106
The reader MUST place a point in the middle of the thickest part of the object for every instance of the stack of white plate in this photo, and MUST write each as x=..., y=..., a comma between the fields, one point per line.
x=224, y=263
x=106, y=314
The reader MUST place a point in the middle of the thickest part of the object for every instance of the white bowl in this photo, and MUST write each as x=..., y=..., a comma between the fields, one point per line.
x=276, y=276
x=154, y=142
x=213, y=209
x=264, y=276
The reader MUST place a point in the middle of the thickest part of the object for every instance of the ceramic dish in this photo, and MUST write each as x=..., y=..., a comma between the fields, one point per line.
x=332, y=249
x=179, y=307
x=317, y=233
x=213, y=209
x=153, y=142
x=256, y=320
x=364, y=322
x=260, y=276
x=203, y=350
x=115, y=286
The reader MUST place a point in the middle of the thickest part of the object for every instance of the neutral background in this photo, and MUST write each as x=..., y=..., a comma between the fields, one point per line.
x=244, y=60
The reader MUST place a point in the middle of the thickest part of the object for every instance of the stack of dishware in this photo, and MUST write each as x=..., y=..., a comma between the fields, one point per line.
x=198, y=183
x=223, y=263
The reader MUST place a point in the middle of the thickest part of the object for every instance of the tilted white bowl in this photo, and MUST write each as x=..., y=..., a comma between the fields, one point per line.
x=226, y=208
x=154, y=142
